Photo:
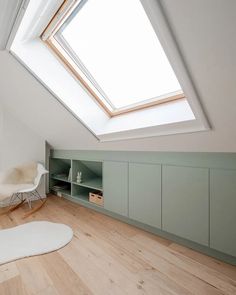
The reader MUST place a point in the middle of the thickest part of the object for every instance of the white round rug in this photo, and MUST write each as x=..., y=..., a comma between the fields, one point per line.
x=33, y=238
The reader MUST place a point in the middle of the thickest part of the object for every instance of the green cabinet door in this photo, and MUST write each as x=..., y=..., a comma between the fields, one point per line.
x=185, y=203
x=145, y=193
x=115, y=187
x=223, y=211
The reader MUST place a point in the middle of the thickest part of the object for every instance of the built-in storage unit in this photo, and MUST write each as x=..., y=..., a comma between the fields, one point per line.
x=187, y=197
x=185, y=205
x=145, y=193
x=223, y=211
x=115, y=179
x=64, y=173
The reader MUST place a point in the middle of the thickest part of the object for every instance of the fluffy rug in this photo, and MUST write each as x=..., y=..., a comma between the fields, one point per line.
x=33, y=238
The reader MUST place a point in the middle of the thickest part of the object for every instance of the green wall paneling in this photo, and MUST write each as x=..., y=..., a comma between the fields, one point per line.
x=223, y=210
x=145, y=193
x=185, y=203
x=202, y=160
x=115, y=187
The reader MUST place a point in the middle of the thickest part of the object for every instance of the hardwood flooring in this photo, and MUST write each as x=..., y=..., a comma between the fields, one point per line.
x=107, y=256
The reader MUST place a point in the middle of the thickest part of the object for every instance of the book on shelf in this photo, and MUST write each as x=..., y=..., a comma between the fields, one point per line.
x=59, y=187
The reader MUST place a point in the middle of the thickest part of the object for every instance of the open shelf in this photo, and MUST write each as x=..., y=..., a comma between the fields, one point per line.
x=62, y=192
x=81, y=193
x=65, y=179
x=95, y=183
x=83, y=199
x=91, y=173
x=59, y=172
x=60, y=186
x=59, y=192
x=91, y=178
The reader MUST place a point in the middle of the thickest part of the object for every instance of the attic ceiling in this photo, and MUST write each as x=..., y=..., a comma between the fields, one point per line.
x=8, y=14
x=205, y=33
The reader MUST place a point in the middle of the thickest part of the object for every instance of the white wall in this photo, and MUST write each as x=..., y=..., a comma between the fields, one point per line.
x=18, y=143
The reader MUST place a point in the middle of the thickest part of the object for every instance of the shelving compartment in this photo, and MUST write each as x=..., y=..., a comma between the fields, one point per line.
x=60, y=168
x=91, y=179
x=60, y=187
x=91, y=174
x=59, y=172
x=80, y=192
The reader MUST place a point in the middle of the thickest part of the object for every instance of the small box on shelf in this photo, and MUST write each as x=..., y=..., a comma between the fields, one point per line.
x=96, y=197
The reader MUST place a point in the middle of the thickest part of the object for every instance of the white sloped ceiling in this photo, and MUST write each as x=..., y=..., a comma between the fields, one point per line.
x=205, y=33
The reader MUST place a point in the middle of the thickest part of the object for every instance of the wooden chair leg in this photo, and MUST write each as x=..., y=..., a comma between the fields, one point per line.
x=27, y=214
x=12, y=208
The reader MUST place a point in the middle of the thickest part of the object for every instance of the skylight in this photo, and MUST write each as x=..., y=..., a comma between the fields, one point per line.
x=56, y=67
x=114, y=51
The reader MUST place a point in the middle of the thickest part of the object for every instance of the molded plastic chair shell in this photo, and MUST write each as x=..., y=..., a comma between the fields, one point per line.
x=40, y=172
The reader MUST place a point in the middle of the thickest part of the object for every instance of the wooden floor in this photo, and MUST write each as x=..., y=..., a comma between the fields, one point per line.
x=109, y=257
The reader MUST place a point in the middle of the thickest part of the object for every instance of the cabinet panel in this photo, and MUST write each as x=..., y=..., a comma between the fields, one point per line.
x=145, y=193
x=223, y=211
x=115, y=187
x=185, y=203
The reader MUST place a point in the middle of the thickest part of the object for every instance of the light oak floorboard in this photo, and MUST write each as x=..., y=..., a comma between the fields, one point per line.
x=8, y=271
x=13, y=286
x=107, y=256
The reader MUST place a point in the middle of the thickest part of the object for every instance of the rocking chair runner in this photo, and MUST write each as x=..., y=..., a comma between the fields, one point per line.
x=27, y=192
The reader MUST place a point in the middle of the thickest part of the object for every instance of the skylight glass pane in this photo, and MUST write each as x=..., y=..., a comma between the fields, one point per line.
x=116, y=43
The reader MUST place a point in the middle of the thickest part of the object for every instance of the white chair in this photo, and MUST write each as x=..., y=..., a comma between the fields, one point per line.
x=28, y=192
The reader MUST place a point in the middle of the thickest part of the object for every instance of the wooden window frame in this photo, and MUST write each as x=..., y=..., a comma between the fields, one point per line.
x=64, y=12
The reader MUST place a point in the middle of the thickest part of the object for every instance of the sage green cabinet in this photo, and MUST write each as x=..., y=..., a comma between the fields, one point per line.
x=223, y=210
x=145, y=193
x=115, y=187
x=185, y=203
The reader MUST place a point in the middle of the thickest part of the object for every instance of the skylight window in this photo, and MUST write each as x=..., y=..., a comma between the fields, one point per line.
x=111, y=47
